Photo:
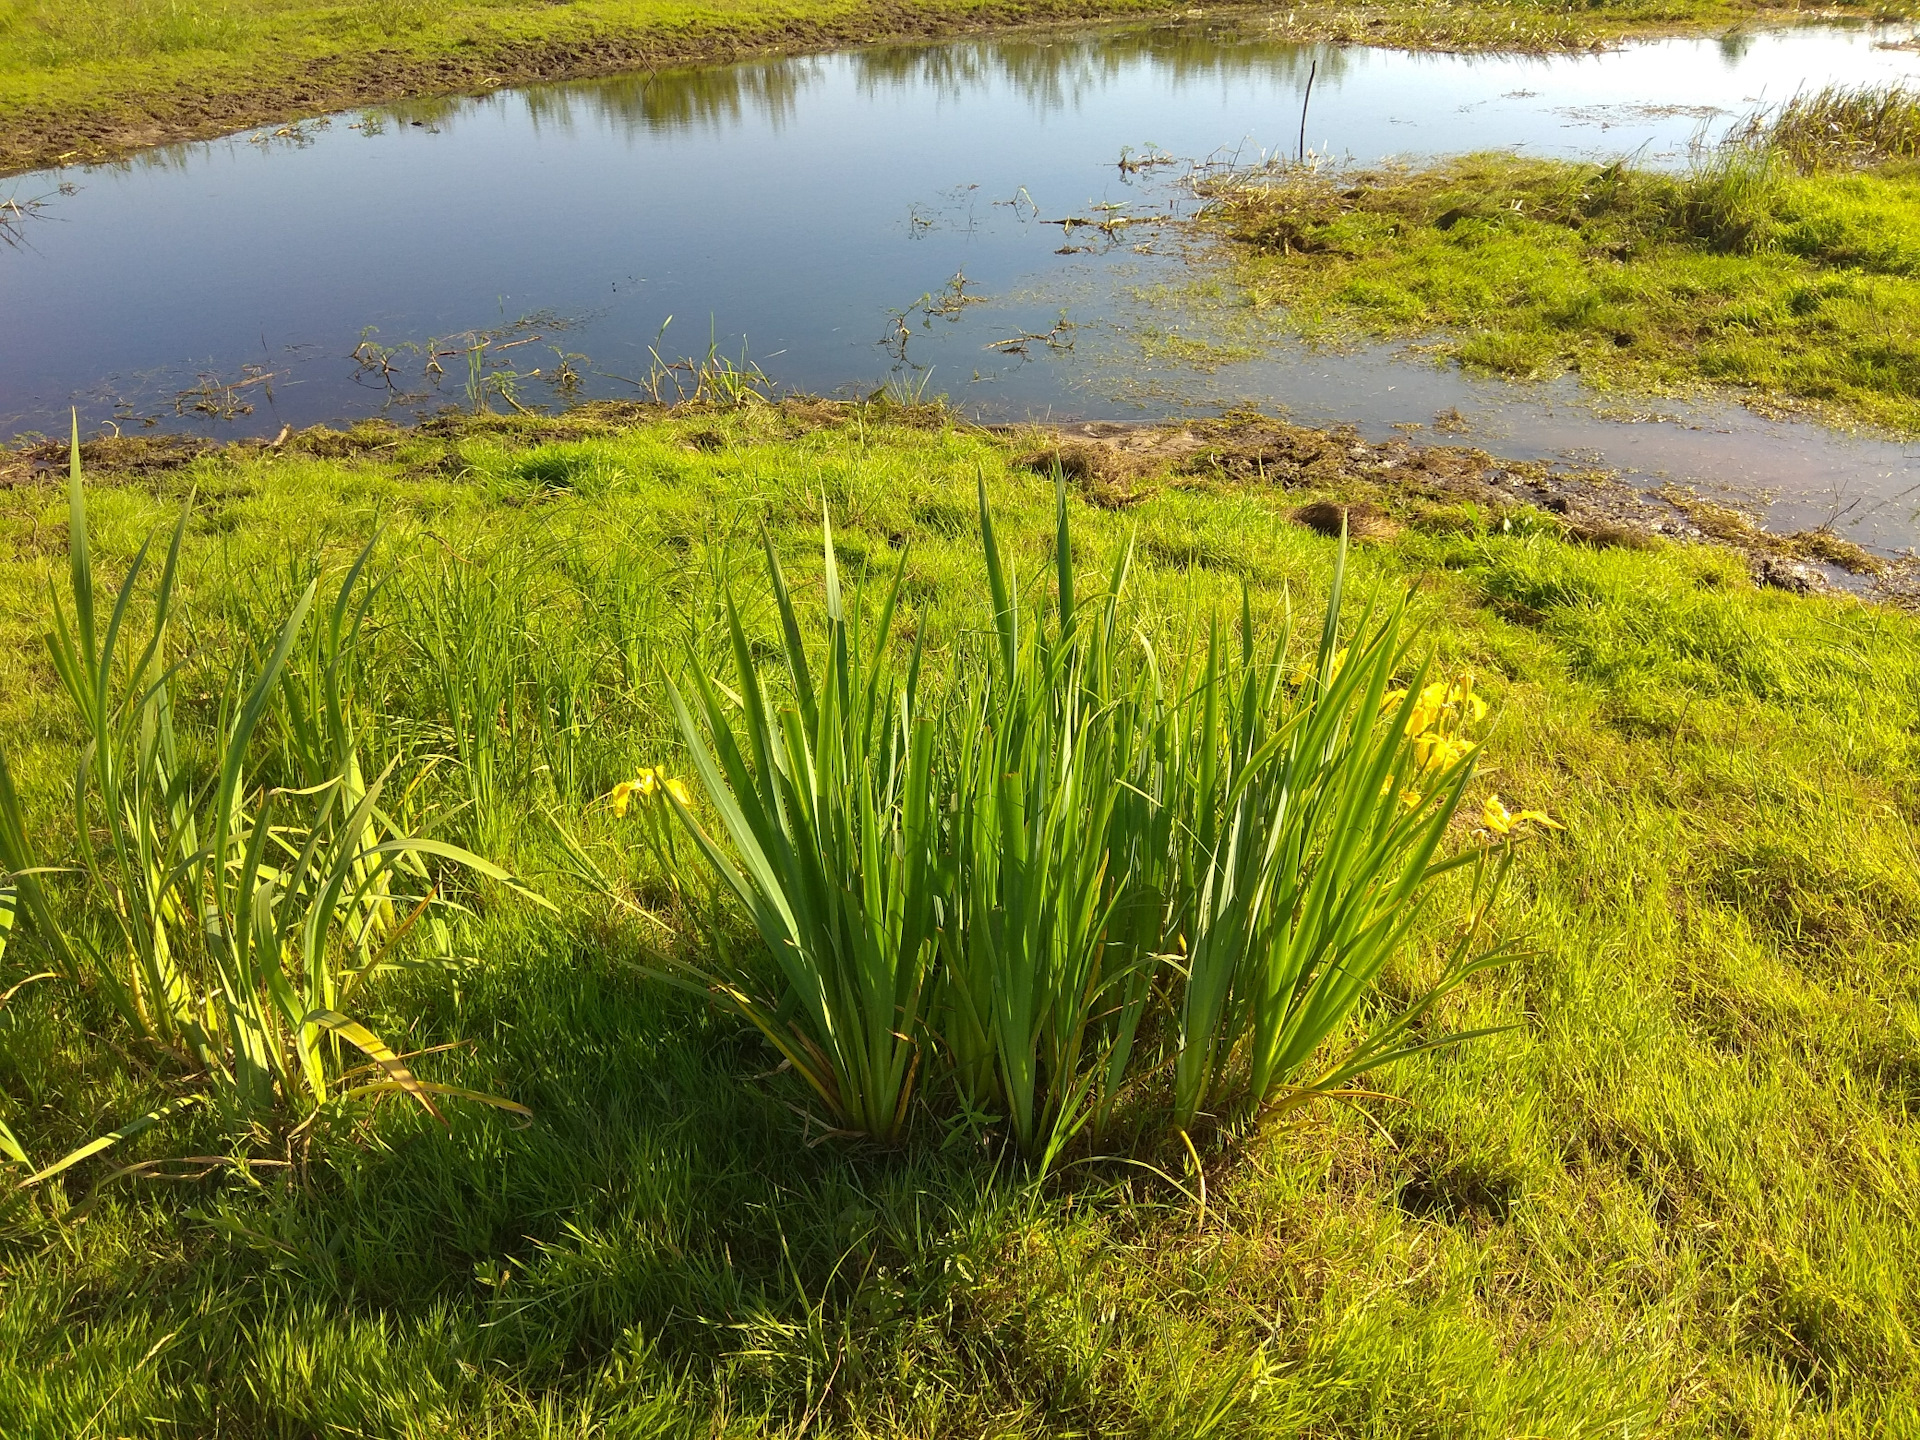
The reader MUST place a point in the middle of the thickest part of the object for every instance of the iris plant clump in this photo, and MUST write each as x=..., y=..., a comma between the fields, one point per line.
x=1083, y=885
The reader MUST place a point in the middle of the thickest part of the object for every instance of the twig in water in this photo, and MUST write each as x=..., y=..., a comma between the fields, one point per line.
x=1305, y=100
x=221, y=398
x=1060, y=337
x=1131, y=164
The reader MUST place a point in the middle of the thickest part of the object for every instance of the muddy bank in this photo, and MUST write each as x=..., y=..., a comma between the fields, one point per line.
x=1377, y=489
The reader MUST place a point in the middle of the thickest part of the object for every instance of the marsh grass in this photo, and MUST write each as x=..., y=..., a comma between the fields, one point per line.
x=10, y=1147
x=830, y=807
x=1838, y=128
x=937, y=880
x=1674, y=1198
x=1042, y=786
x=122, y=29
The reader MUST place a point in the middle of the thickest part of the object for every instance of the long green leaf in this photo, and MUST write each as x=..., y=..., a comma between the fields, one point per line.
x=106, y=1142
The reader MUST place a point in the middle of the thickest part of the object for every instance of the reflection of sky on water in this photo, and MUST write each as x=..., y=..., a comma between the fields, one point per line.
x=1369, y=103
x=798, y=205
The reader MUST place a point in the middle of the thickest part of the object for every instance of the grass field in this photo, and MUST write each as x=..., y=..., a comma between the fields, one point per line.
x=1783, y=266
x=1675, y=1197
x=100, y=78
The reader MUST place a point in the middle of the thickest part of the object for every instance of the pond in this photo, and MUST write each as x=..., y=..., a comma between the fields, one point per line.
x=846, y=221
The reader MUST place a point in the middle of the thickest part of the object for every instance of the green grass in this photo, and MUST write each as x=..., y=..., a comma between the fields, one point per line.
x=1798, y=288
x=98, y=79
x=225, y=915
x=1675, y=1199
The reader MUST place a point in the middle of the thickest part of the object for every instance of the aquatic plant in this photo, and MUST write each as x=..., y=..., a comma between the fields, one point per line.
x=1838, y=127
x=1037, y=1016
x=1313, y=848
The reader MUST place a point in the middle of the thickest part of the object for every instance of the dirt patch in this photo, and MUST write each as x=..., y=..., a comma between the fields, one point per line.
x=125, y=455
x=1793, y=555
x=1357, y=521
x=1112, y=465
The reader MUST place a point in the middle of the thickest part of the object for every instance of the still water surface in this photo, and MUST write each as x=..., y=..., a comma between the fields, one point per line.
x=797, y=211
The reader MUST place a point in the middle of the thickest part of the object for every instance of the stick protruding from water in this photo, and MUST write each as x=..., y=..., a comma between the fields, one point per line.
x=1305, y=100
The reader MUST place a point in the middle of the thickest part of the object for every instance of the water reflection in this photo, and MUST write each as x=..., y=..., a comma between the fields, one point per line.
x=1046, y=74
x=719, y=99
x=1735, y=44
x=1053, y=74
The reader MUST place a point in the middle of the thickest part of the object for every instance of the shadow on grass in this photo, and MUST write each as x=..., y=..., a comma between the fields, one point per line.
x=668, y=1183
x=663, y=1219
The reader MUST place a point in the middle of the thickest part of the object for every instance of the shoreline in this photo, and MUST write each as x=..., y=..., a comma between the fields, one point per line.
x=1382, y=488
x=103, y=113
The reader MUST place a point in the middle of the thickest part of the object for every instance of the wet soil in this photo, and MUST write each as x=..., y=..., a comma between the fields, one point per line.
x=1374, y=490
x=1378, y=488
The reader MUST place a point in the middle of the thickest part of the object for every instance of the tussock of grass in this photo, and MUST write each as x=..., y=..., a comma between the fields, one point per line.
x=1838, y=128
x=1800, y=289
x=1675, y=1199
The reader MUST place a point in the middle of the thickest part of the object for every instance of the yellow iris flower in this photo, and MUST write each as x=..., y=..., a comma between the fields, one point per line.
x=1443, y=702
x=1434, y=751
x=650, y=785
x=1438, y=721
x=1303, y=672
x=1498, y=820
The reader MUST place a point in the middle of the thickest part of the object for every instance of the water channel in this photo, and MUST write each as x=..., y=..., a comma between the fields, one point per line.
x=824, y=217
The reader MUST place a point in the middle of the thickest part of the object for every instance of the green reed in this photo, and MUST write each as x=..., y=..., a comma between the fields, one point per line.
x=830, y=807
x=1041, y=764
x=1311, y=850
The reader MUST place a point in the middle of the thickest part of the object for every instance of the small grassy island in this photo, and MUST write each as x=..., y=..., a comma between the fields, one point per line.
x=1783, y=266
